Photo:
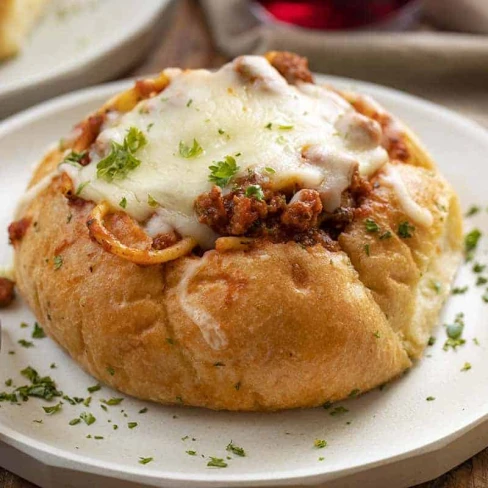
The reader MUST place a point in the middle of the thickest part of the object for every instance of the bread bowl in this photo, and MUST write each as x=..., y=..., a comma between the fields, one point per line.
x=17, y=18
x=240, y=240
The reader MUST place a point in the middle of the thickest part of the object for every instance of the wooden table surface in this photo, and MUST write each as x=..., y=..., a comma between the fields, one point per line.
x=188, y=44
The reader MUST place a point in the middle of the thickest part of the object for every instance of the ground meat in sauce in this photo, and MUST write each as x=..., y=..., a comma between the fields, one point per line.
x=292, y=67
x=17, y=229
x=279, y=216
x=162, y=241
x=7, y=292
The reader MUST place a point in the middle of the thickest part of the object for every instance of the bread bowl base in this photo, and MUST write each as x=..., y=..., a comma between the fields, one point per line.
x=392, y=437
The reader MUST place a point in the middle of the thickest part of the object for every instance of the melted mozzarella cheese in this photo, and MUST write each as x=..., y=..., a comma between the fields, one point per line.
x=419, y=215
x=307, y=134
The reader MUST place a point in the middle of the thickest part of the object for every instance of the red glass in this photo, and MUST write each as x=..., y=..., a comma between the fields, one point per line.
x=332, y=14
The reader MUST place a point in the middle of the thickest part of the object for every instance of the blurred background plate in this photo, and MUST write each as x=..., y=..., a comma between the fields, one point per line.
x=79, y=43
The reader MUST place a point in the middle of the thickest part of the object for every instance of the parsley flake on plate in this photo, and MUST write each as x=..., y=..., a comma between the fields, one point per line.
x=466, y=367
x=471, y=240
x=38, y=332
x=54, y=409
x=93, y=389
x=239, y=451
x=88, y=418
x=145, y=460
x=217, y=463
x=112, y=401
x=320, y=443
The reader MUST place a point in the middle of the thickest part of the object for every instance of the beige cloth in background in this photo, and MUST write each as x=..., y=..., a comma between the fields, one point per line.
x=450, y=68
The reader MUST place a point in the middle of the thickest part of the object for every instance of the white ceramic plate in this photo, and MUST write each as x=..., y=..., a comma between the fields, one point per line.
x=392, y=437
x=78, y=43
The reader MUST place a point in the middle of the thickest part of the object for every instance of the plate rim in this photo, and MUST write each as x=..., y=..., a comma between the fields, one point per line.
x=303, y=475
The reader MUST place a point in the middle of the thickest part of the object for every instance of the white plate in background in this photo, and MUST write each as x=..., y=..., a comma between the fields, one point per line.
x=389, y=438
x=78, y=43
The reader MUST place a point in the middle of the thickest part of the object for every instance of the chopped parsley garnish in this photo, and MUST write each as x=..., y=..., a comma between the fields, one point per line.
x=192, y=151
x=149, y=126
x=286, y=127
x=74, y=158
x=255, y=191
x=8, y=382
x=371, y=225
x=217, y=463
x=485, y=296
x=23, y=325
x=191, y=453
x=145, y=460
x=430, y=398
x=121, y=159
x=459, y=290
x=113, y=401
x=320, y=443
x=338, y=410
x=189, y=102
x=367, y=249
x=436, y=286
x=405, y=230
x=151, y=201
x=431, y=341
x=98, y=437
x=41, y=387
x=280, y=140
x=356, y=391
x=476, y=341
x=478, y=268
x=75, y=421
x=87, y=402
x=222, y=171
x=132, y=425
x=473, y=210
x=471, y=242
x=454, y=332
x=466, y=367
x=110, y=370
x=481, y=280
x=221, y=131
x=54, y=409
x=80, y=188
x=269, y=125
x=38, y=332
x=239, y=451
x=88, y=418
x=25, y=343
x=386, y=235
x=123, y=203
x=58, y=262
x=271, y=171
x=93, y=389
x=143, y=410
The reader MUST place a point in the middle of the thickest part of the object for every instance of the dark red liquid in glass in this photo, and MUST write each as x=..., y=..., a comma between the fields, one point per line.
x=332, y=14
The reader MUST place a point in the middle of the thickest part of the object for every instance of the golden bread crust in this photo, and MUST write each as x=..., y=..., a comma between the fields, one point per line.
x=271, y=327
